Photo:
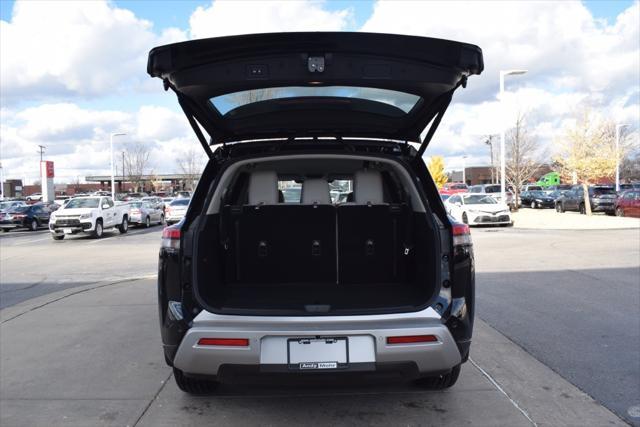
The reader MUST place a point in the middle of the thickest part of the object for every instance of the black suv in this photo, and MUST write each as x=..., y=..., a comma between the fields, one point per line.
x=270, y=271
x=601, y=197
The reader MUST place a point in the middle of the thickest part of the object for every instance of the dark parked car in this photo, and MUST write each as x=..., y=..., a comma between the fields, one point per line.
x=602, y=199
x=628, y=204
x=248, y=283
x=537, y=199
x=30, y=217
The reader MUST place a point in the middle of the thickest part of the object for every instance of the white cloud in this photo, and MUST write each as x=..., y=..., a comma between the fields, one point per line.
x=223, y=18
x=571, y=58
x=77, y=139
x=74, y=48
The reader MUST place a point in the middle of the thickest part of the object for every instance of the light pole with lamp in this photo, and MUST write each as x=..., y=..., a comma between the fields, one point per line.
x=503, y=165
x=489, y=142
x=113, y=180
x=618, y=127
x=464, y=169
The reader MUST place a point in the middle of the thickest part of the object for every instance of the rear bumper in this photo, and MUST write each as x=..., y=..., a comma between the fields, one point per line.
x=267, y=349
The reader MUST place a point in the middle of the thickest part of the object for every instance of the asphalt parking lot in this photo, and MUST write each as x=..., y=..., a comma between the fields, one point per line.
x=558, y=342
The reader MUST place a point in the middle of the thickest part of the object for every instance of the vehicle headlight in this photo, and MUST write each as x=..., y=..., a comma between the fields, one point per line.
x=85, y=216
x=539, y=200
x=474, y=211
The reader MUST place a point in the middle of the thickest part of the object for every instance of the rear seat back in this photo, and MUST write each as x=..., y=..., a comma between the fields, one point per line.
x=371, y=233
x=282, y=243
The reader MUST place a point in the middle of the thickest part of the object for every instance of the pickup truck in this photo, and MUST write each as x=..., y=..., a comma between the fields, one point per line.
x=92, y=215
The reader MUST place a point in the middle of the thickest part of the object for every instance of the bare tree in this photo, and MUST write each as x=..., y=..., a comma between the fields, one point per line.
x=588, y=151
x=190, y=164
x=523, y=156
x=136, y=164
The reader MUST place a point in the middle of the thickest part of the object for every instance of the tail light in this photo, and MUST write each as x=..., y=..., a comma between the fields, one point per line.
x=461, y=235
x=412, y=339
x=171, y=238
x=226, y=342
x=19, y=216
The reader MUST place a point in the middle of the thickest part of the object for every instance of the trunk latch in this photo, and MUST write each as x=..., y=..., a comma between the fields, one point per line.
x=316, y=64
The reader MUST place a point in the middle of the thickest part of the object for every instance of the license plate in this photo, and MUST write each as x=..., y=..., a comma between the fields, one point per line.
x=67, y=231
x=318, y=353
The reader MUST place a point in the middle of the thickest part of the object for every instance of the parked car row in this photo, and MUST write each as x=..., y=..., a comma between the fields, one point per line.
x=92, y=215
x=561, y=197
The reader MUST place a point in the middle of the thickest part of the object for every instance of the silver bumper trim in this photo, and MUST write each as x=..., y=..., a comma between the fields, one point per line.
x=206, y=360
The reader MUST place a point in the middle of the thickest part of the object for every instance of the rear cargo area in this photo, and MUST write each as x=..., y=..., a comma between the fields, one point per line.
x=263, y=256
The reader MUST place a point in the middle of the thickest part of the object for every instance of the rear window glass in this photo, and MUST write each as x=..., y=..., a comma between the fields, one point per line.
x=603, y=190
x=228, y=102
x=492, y=189
x=340, y=189
x=180, y=202
x=291, y=191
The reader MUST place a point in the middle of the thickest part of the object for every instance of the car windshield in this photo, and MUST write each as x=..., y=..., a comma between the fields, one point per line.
x=83, y=203
x=19, y=209
x=458, y=187
x=180, y=202
x=136, y=205
x=478, y=199
x=228, y=102
x=492, y=189
x=537, y=193
x=555, y=194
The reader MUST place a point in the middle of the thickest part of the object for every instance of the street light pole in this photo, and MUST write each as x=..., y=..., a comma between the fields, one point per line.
x=503, y=163
x=113, y=180
x=618, y=127
x=464, y=169
x=489, y=142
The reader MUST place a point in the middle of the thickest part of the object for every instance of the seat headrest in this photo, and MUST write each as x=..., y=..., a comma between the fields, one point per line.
x=315, y=191
x=367, y=185
x=263, y=188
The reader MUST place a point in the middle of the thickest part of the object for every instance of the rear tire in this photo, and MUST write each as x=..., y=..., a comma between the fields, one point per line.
x=582, y=209
x=97, y=232
x=5, y=230
x=56, y=237
x=147, y=222
x=465, y=219
x=33, y=225
x=162, y=219
x=619, y=212
x=440, y=382
x=193, y=385
x=124, y=227
x=559, y=208
x=533, y=205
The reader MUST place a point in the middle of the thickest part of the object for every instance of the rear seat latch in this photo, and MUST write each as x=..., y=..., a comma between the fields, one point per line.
x=369, y=247
x=315, y=248
x=262, y=248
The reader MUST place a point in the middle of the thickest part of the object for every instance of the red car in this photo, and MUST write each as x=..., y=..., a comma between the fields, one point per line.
x=454, y=187
x=628, y=204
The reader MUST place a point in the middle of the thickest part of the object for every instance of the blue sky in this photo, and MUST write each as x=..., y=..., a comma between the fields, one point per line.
x=175, y=13
x=73, y=71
